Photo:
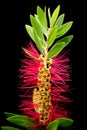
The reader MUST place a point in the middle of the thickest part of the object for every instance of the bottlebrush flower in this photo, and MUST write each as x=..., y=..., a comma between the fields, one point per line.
x=44, y=71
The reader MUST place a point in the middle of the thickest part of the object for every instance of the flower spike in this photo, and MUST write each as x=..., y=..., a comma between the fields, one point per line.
x=45, y=70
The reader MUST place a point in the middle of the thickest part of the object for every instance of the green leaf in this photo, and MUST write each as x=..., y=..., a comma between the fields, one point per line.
x=59, y=45
x=56, y=49
x=49, y=14
x=8, y=114
x=38, y=42
x=52, y=36
x=54, y=16
x=53, y=125
x=36, y=27
x=66, y=39
x=64, y=29
x=21, y=120
x=65, y=122
x=30, y=31
x=60, y=20
x=44, y=30
x=42, y=16
x=9, y=128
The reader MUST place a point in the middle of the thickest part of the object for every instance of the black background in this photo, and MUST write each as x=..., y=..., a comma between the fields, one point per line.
x=14, y=16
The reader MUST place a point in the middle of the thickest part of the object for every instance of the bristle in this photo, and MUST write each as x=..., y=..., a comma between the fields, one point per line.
x=31, y=77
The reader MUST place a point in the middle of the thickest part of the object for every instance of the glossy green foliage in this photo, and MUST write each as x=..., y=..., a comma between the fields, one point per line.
x=60, y=20
x=66, y=39
x=54, y=16
x=33, y=34
x=42, y=17
x=46, y=29
x=65, y=122
x=43, y=29
x=59, y=45
x=30, y=31
x=56, y=49
x=36, y=27
x=21, y=120
x=64, y=29
x=9, y=128
x=62, y=122
x=49, y=15
x=53, y=125
x=52, y=36
x=8, y=114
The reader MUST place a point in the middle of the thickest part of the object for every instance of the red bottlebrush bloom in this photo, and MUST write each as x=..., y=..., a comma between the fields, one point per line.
x=44, y=73
x=59, y=75
x=30, y=79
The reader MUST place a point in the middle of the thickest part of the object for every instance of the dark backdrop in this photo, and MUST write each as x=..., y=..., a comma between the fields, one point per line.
x=13, y=34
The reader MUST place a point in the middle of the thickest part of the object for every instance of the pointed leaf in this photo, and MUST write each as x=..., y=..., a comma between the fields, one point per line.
x=30, y=31
x=60, y=20
x=8, y=114
x=34, y=37
x=52, y=36
x=21, y=120
x=42, y=16
x=65, y=122
x=38, y=42
x=66, y=39
x=9, y=128
x=36, y=27
x=56, y=49
x=53, y=125
x=46, y=22
x=54, y=16
x=41, y=26
x=64, y=29
x=49, y=14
